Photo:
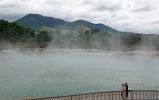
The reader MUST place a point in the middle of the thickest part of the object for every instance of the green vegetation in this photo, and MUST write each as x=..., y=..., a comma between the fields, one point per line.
x=14, y=33
x=43, y=37
x=132, y=40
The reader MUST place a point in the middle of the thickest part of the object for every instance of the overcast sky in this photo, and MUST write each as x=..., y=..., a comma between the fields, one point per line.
x=124, y=15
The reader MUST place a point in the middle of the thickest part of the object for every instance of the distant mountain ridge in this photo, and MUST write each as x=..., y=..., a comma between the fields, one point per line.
x=36, y=21
x=76, y=34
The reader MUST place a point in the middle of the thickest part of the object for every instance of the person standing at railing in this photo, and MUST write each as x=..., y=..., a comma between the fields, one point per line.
x=126, y=90
x=123, y=93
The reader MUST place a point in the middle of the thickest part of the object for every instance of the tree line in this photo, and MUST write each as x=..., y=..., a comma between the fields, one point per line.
x=13, y=33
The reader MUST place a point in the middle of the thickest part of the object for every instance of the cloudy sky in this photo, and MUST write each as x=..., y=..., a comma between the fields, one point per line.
x=124, y=15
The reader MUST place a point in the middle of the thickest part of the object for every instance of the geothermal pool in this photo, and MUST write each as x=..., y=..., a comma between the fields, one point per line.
x=64, y=72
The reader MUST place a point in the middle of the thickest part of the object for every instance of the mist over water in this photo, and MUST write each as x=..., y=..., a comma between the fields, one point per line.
x=56, y=72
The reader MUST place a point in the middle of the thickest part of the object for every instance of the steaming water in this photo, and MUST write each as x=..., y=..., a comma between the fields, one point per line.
x=52, y=73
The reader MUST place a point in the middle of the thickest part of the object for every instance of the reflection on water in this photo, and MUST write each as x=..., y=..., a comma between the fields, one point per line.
x=63, y=72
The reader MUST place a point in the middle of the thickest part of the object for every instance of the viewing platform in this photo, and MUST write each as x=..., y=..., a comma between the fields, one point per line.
x=110, y=95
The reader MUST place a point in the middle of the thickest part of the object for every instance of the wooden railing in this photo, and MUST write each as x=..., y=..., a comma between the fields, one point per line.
x=111, y=95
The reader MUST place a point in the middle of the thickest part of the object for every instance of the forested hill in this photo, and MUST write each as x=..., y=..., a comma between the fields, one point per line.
x=36, y=21
x=42, y=31
x=84, y=34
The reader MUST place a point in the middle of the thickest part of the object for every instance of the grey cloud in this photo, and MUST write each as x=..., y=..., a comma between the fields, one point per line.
x=104, y=6
x=9, y=6
x=144, y=5
x=154, y=22
x=108, y=8
x=142, y=8
x=23, y=0
x=52, y=2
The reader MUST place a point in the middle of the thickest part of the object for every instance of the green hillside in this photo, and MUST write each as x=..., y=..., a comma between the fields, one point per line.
x=15, y=34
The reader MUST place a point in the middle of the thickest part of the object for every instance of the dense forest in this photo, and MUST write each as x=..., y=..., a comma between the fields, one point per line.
x=14, y=33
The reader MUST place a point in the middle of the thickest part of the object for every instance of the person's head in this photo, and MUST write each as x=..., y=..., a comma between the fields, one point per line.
x=126, y=83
